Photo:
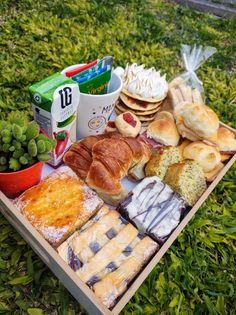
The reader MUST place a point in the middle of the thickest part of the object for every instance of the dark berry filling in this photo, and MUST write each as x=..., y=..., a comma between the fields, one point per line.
x=127, y=251
x=93, y=280
x=94, y=246
x=111, y=266
x=111, y=233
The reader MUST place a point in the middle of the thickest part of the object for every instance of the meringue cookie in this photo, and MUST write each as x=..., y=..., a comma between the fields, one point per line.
x=147, y=83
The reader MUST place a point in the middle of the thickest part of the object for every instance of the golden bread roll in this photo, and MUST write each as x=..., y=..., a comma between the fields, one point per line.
x=210, y=176
x=225, y=157
x=181, y=147
x=165, y=115
x=196, y=121
x=226, y=141
x=164, y=130
x=208, y=157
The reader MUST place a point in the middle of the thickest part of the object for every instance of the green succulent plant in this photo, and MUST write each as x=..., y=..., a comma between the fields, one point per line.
x=22, y=144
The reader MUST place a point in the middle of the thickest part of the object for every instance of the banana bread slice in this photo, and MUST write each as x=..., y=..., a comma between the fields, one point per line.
x=161, y=160
x=187, y=178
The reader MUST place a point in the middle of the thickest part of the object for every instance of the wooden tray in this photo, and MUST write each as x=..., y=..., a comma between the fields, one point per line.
x=83, y=294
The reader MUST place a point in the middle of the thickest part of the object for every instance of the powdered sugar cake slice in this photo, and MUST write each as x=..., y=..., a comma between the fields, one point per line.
x=59, y=205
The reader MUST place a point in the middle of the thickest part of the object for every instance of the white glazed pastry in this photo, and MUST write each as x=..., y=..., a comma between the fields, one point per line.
x=128, y=124
x=154, y=207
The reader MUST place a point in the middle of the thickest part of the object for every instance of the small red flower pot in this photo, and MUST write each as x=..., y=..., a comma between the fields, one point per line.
x=12, y=184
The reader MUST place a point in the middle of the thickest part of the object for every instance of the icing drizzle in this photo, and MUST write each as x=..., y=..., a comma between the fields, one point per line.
x=154, y=207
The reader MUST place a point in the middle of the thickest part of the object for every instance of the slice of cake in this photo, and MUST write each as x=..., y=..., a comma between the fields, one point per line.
x=59, y=205
x=160, y=160
x=187, y=178
x=153, y=207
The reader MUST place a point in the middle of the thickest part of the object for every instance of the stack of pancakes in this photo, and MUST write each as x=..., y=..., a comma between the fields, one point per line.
x=144, y=109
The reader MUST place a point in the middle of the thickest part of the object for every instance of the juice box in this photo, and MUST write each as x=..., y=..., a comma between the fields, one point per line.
x=54, y=103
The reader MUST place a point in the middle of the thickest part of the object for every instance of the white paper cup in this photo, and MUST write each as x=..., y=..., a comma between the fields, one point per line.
x=94, y=110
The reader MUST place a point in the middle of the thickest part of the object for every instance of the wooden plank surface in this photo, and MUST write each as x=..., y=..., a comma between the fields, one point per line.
x=208, y=6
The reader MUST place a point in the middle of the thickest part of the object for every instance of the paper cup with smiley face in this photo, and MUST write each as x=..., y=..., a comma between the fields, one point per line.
x=94, y=110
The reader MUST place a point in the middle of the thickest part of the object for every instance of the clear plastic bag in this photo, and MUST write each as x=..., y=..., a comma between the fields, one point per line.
x=193, y=58
x=187, y=87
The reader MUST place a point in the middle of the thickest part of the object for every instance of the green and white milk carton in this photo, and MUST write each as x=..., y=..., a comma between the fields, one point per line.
x=54, y=102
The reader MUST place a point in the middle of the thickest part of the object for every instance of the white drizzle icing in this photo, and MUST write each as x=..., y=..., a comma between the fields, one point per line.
x=154, y=207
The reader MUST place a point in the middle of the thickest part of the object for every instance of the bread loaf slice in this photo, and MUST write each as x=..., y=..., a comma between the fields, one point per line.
x=187, y=178
x=160, y=161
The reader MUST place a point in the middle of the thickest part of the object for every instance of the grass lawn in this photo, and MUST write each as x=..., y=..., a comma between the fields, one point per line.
x=37, y=38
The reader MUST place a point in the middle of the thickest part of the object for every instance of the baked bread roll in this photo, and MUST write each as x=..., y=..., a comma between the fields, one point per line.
x=182, y=146
x=101, y=252
x=163, y=129
x=225, y=157
x=58, y=205
x=226, y=141
x=208, y=157
x=187, y=178
x=106, y=160
x=160, y=160
x=128, y=124
x=210, y=176
x=196, y=122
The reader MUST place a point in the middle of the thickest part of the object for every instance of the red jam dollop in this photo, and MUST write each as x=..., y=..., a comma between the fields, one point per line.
x=111, y=124
x=129, y=119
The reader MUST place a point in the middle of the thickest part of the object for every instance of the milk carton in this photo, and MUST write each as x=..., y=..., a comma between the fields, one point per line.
x=54, y=102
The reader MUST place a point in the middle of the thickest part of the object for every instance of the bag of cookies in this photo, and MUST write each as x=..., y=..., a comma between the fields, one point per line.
x=187, y=87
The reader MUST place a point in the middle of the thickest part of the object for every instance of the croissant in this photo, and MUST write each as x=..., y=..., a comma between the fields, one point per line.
x=103, y=160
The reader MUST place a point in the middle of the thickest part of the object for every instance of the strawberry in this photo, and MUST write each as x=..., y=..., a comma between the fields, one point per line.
x=62, y=138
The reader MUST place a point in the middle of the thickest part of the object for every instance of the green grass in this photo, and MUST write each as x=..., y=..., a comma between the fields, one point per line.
x=37, y=38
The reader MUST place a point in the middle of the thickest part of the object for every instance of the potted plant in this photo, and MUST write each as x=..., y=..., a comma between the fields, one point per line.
x=23, y=149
